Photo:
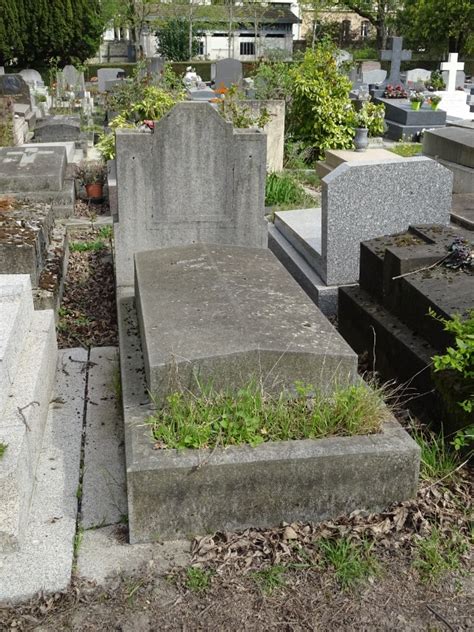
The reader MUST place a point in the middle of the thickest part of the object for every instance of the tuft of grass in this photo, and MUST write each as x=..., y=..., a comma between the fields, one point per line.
x=309, y=178
x=197, y=579
x=78, y=541
x=438, y=553
x=251, y=416
x=284, y=192
x=105, y=232
x=269, y=579
x=86, y=246
x=438, y=460
x=3, y=447
x=407, y=150
x=352, y=562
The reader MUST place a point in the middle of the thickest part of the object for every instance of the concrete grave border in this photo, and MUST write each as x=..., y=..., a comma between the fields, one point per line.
x=174, y=494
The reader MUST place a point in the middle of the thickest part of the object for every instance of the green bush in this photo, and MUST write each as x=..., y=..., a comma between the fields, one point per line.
x=272, y=80
x=283, y=191
x=321, y=113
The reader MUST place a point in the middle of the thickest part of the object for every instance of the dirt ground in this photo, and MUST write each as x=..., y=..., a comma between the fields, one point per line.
x=240, y=591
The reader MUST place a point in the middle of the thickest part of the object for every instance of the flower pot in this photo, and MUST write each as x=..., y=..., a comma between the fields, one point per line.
x=94, y=191
x=434, y=106
x=415, y=105
x=361, y=140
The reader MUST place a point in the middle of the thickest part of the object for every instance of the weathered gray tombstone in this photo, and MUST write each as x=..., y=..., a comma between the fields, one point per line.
x=155, y=66
x=107, y=74
x=32, y=77
x=371, y=77
x=15, y=86
x=418, y=75
x=343, y=56
x=37, y=173
x=74, y=78
x=201, y=94
x=196, y=179
x=395, y=55
x=58, y=128
x=228, y=72
x=369, y=64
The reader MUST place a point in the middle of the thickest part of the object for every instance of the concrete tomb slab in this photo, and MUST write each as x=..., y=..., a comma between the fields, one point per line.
x=230, y=313
x=227, y=72
x=32, y=168
x=58, y=128
x=453, y=147
x=15, y=86
x=196, y=179
x=107, y=74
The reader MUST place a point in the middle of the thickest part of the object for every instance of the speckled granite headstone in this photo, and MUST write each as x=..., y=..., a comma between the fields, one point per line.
x=363, y=200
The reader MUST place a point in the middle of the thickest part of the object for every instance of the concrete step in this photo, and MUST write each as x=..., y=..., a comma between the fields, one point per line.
x=22, y=426
x=323, y=169
x=302, y=228
x=16, y=312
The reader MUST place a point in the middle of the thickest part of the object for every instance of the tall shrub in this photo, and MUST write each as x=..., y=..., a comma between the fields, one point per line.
x=320, y=115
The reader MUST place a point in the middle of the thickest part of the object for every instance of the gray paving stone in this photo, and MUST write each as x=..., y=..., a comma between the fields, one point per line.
x=104, y=498
x=44, y=562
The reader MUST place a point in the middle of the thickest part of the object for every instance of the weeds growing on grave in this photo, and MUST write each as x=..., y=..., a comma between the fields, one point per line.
x=197, y=579
x=3, y=447
x=439, y=553
x=438, y=461
x=407, y=150
x=284, y=192
x=353, y=562
x=269, y=579
x=222, y=418
x=85, y=246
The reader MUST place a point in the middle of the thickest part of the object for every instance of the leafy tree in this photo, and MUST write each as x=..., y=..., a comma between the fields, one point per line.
x=11, y=35
x=438, y=26
x=380, y=13
x=321, y=113
x=173, y=39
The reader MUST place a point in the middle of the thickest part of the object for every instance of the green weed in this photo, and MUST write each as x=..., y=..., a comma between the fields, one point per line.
x=438, y=461
x=86, y=246
x=284, y=192
x=252, y=416
x=105, y=232
x=352, y=562
x=78, y=541
x=437, y=554
x=407, y=150
x=197, y=579
x=308, y=178
x=3, y=447
x=269, y=579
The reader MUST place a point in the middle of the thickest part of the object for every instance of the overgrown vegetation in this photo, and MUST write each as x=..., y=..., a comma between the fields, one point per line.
x=282, y=191
x=321, y=114
x=437, y=554
x=3, y=447
x=85, y=246
x=197, y=579
x=407, y=150
x=233, y=110
x=251, y=416
x=271, y=578
x=438, y=461
x=353, y=562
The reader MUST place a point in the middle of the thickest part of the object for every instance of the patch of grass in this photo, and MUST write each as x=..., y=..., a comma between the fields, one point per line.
x=86, y=246
x=438, y=460
x=269, y=579
x=352, y=562
x=252, y=416
x=407, y=150
x=284, y=192
x=78, y=541
x=310, y=179
x=105, y=232
x=3, y=447
x=197, y=579
x=438, y=553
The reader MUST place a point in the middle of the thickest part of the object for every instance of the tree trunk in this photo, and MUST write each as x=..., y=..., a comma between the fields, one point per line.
x=190, y=33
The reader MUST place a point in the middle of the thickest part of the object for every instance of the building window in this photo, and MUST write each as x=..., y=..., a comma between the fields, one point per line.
x=200, y=48
x=345, y=30
x=247, y=48
x=364, y=29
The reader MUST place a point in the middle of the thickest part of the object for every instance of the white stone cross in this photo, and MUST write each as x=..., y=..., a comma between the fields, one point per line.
x=452, y=66
x=28, y=156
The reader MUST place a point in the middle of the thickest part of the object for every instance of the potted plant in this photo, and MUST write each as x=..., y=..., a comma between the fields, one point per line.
x=91, y=174
x=360, y=121
x=416, y=100
x=434, y=101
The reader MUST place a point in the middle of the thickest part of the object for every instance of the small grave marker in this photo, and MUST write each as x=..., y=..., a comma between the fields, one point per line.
x=452, y=66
